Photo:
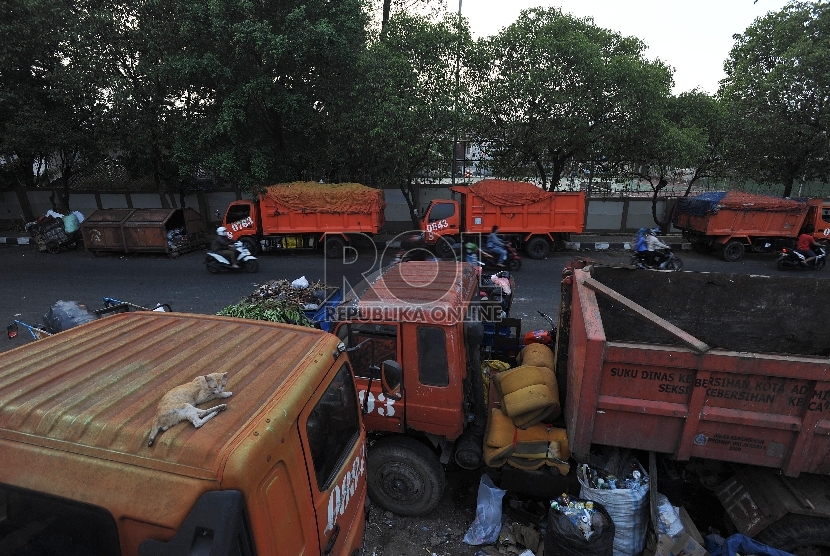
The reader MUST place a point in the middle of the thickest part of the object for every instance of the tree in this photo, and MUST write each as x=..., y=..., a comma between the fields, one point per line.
x=404, y=105
x=50, y=102
x=554, y=89
x=682, y=140
x=778, y=85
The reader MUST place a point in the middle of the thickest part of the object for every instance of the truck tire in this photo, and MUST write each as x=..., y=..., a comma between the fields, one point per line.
x=732, y=251
x=443, y=247
x=251, y=244
x=404, y=476
x=537, y=248
x=334, y=247
x=801, y=535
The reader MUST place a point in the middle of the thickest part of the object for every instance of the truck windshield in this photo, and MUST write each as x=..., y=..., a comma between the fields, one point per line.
x=441, y=211
x=35, y=523
x=333, y=427
x=238, y=212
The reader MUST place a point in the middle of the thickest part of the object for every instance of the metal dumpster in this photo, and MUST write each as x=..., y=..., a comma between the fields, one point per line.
x=170, y=231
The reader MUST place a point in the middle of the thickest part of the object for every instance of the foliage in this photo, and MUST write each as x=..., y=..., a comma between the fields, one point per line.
x=278, y=301
x=777, y=87
x=404, y=104
x=683, y=141
x=553, y=89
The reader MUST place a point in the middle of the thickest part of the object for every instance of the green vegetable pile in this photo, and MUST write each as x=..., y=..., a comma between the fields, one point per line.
x=276, y=301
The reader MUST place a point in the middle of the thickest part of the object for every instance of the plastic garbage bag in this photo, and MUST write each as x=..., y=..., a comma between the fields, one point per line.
x=628, y=507
x=564, y=538
x=71, y=223
x=300, y=283
x=669, y=519
x=487, y=524
x=741, y=544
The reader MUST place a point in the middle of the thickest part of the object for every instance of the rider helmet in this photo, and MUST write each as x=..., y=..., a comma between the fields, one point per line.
x=221, y=231
x=654, y=231
x=471, y=247
x=641, y=232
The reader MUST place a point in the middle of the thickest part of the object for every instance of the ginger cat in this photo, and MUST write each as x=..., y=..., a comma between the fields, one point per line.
x=179, y=404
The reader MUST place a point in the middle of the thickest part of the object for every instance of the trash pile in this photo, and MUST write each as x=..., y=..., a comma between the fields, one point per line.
x=580, y=512
x=600, y=479
x=280, y=301
x=54, y=230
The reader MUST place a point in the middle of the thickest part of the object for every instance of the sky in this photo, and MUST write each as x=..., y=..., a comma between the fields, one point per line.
x=692, y=36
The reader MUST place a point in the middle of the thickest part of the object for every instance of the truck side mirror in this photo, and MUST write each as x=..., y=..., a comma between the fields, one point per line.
x=391, y=378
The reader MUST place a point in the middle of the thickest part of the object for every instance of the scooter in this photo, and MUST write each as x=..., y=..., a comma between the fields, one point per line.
x=790, y=258
x=487, y=259
x=413, y=248
x=218, y=263
x=667, y=261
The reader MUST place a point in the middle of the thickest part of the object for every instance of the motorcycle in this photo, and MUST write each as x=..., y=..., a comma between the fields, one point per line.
x=413, y=248
x=666, y=260
x=790, y=258
x=546, y=337
x=488, y=259
x=218, y=263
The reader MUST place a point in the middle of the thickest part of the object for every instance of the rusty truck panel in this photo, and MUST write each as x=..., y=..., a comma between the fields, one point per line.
x=721, y=366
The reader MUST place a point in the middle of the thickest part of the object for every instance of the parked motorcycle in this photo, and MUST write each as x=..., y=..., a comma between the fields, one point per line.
x=488, y=259
x=546, y=337
x=218, y=263
x=666, y=260
x=790, y=258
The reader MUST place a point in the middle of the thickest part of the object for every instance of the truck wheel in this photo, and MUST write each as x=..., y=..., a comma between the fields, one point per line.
x=801, y=535
x=404, y=476
x=732, y=251
x=250, y=244
x=443, y=247
x=537, y=248
x=334, y=247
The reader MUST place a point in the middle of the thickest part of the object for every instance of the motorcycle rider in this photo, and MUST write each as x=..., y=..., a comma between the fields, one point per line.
x=496, y=245
x=805, y=246
x=653, y=244
x=222, y=245
x=640, y=247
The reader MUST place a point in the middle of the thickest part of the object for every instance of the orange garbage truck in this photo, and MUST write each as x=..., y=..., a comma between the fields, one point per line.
x=718, y=374
x=281, y=471
x=532, y=218
x=733, y=222
x=306, y=215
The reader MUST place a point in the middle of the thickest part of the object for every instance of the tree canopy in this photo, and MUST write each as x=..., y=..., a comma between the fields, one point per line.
x=777, y=88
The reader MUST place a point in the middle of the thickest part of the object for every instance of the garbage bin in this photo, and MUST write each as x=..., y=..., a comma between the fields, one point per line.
x=170, y=231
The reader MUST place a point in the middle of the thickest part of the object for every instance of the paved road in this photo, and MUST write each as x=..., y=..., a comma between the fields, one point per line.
x=33, y=281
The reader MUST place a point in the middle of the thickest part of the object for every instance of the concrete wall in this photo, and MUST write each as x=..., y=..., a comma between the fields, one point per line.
x=603, y=215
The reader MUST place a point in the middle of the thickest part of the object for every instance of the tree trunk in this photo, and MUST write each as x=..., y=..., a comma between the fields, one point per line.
x=387, y=9
x=541, y=168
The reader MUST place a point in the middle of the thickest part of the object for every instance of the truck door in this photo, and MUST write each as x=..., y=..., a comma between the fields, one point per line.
x=377, y=343
x=441, y=219
x=335, y=453
x=240, y=219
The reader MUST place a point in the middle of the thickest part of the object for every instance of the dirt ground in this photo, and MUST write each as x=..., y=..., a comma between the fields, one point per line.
x=442, y=532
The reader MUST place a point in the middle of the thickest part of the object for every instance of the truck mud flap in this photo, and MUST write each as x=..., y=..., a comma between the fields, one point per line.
x=217, y=524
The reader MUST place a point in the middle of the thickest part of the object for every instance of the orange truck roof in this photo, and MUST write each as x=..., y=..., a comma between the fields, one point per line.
x=83, y=400
x=436, y=292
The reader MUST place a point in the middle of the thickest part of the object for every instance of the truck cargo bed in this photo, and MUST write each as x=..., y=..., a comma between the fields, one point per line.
x=722, y=366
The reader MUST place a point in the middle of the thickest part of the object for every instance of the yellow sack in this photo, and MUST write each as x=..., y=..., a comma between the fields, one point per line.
x=536, y=355
x=530, y=398
x=508, y=382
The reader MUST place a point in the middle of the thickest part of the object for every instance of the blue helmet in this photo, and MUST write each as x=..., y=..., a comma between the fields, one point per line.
x=654, y=231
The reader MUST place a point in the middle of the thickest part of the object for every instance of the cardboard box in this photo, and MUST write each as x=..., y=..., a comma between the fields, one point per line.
x=689, y=526
x=688, y=546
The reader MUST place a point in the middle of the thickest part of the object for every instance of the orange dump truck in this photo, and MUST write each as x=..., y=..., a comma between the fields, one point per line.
x=532, y=218
x=734, y=222
x=281, y=471
x=723, y=372
x=306, y=215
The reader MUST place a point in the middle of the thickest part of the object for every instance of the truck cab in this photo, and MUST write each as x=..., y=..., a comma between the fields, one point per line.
x=280, y=472
x=441, y=218
x=409, y=339
x=242, y=222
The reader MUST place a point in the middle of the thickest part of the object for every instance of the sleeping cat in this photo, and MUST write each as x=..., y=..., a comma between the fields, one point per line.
x=179, y=404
